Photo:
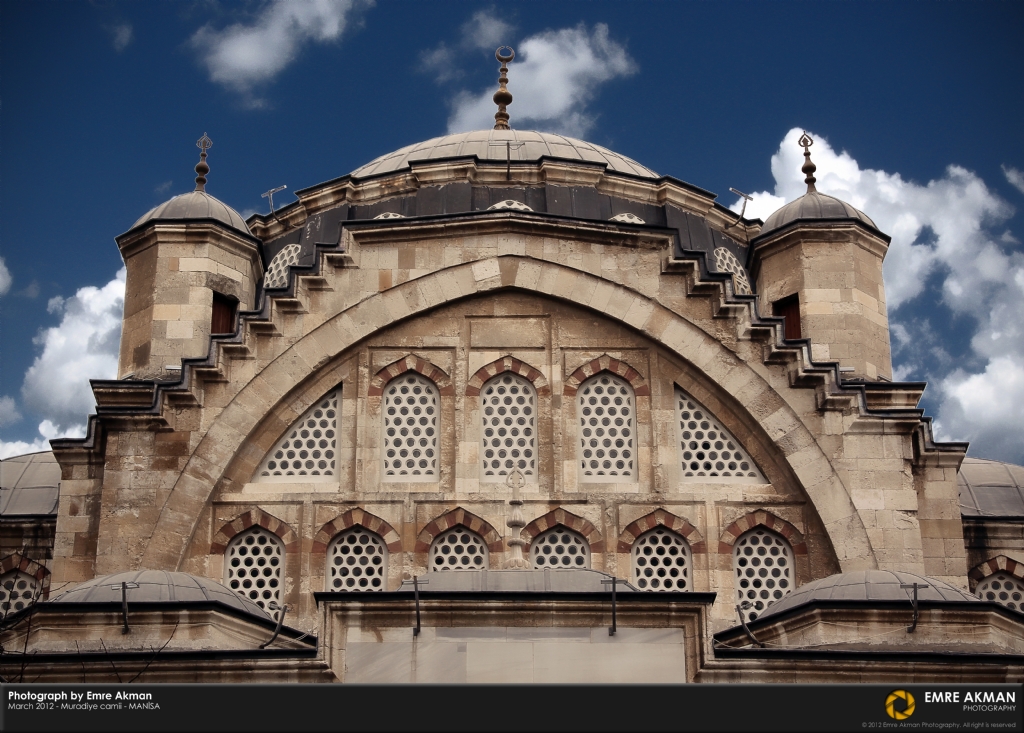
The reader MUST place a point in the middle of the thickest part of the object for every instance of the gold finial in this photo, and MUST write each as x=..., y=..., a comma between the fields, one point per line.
x=806, y=141
x=204, y=143
x=503, y=97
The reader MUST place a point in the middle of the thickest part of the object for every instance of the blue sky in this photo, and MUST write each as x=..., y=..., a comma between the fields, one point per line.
x=917, y=108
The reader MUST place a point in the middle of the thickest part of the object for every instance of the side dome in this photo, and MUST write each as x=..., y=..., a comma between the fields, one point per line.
x=501, y=145
x=195, y=205
x=869, y=586
x=157, y=586
x=814, y=206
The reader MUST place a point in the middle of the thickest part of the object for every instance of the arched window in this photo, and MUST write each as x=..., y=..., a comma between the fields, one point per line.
x=458, y=549
x=253, y=563
x=607, y=415
x=661, y=561
x=509, y=410
x=1004, y=589
x=411, y=406
x=709, y=452
x=18, y=590
x=308, y=450
x=559, y=548
x=763, y=562
x=357, y=560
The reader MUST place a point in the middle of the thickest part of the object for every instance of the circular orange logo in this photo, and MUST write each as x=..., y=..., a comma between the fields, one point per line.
x=908, y=705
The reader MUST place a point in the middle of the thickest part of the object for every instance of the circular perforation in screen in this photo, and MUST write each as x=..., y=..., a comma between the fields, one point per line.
x=458, y=549
x=18, y=590
x=726, y=261
x=510, y=419
x=358, y=560
x=308, y=448
x=764, y=570
x=254, y=559
x=277, y=273
x=1002, y=588
x=708, y=449
x=661, y=561
x=607, y=428
x=559, y=548
x=410, y=428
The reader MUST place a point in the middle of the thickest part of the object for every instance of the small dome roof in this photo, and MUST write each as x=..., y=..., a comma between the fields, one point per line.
x=159, y=586
x=195, y=205
x=991, y=488
x=814, y=205
x=868, y=586
x=29, y=485
x=491, y=145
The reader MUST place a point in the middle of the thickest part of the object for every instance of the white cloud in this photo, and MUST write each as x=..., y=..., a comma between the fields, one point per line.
x=5, y=278
x=246, y=54
x=1015, y=177
x=481, y=31
x=83, y=346
x=8, y=411
x=555, y=75
x=949, y=231
x=163, y=187
x=20, y=447
x=122, y=35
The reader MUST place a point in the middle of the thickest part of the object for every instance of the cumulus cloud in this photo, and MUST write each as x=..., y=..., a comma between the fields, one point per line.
x=482, y=31
x=244, y=55
x=8, y=411
x=9, y=448
x=122, y=35
x=1015, y=177
x=82, y=347
x=5, y=278
x=949, y=244
x=556, y=74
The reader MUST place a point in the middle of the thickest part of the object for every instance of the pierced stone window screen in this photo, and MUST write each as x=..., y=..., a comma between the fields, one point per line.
x=509, y=409
x=277, y=273
x=308, y=451
x=661, y=561
x=708, y=452
x=763, y=562
x=726, y=261
x=252, y=567
x=1002, y=588
x=458, y=549
x=607, y=416
x=357, y=560
x=559, y=548
x=18, y=591
x=411, y=406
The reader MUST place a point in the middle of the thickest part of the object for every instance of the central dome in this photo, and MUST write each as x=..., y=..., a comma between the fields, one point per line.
x=492, y=145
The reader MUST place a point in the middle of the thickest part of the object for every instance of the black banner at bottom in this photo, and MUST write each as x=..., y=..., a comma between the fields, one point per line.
x=296, y=708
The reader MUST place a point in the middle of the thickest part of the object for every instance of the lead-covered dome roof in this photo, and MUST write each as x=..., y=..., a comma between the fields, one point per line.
x=157, y=586
x=493, y=145
x=817, y=206
x=195, y=205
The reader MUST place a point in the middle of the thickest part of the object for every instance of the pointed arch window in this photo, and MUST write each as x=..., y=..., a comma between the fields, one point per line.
x=459, y=549
x=662, y=561
x=559, y=549
x=763, y=563
x=411, y=408
x=708, y=452
x=18, y=591
x=607, y=415
x=357, y=559
x=1003, y=588
x=253, y=567
x=509, y=413
x=308, y=450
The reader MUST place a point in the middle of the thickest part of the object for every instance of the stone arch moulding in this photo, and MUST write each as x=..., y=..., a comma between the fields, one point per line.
x=255, y=517
x=605, y=363
x=507, y=364
x=766, y=519
x=30, y=567
x=352, y=518
x=411, y=363
x=661, y=518
x=455, y=518
x=566, y=519
x=993, y=565
x=782, y=426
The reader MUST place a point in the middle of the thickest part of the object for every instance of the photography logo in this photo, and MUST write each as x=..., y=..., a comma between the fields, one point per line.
x=899, y=699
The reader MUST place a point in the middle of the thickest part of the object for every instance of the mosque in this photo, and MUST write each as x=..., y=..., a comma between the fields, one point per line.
x=507, y=406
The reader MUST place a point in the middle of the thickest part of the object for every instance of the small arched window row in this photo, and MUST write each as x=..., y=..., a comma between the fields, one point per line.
x=253, y=563
x=559, y=548
x=1003, y=588
x=458, y=549
x=662, y=561
x=357, y=560
x=763, y=562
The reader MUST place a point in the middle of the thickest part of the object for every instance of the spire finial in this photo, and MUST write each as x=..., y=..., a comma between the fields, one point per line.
x=806, y=141
x=503, y=97
x=204, y=143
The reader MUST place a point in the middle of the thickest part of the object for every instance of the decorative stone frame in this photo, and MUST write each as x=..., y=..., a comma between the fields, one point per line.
x=410, y=363
x=606, y=363
x=355, y=517
x=30, y=567
x=661, y=518
x=454, y=518
x=507, y=364
x=253, y=518
x=992, y=566
x=568, y=520
x=766, y=519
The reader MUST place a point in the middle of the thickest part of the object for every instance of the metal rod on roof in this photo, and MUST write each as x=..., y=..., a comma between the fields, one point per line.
x=915, y=586
x=280, y=623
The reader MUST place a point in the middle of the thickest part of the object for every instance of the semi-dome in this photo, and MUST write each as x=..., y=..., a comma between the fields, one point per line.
x=157, y=586
x=501, y=145
x=869, y=586
x=195, y=205
x=817, y=206
x=991, y=488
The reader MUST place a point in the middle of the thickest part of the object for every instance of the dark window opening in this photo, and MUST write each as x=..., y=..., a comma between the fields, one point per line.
x=224, y=309
x=789, y=308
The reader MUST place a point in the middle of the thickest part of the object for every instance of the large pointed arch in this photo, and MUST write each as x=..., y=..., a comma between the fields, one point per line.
x=777, y=422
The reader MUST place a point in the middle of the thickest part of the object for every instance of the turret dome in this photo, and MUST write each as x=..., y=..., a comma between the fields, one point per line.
x=195, y=205
x=814, y=206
